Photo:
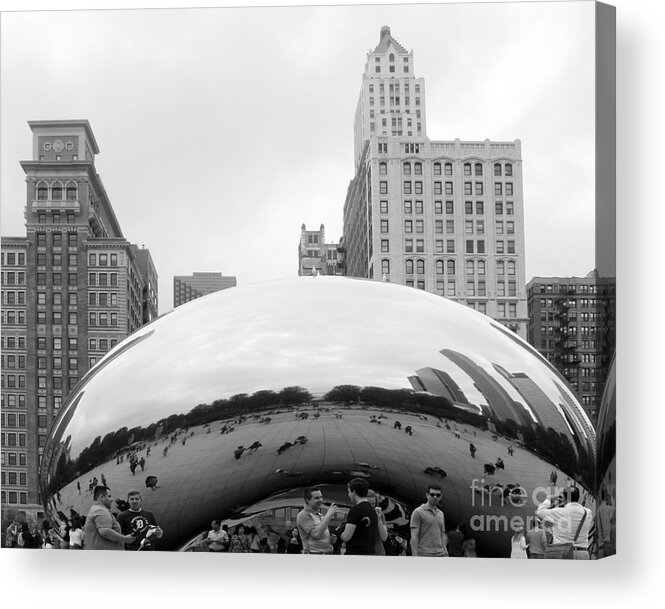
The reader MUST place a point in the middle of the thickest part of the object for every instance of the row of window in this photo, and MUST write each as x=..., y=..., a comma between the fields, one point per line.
x=14, y=478
x=12, y=438
x=555, y=288
x=394, y=84
x=58, y=318
x=57, y=385
x=57, y=298
x=582, y=303
x=56, y=363
x=56, y=259
x=11, y=458
x=13, y=400
x=13, y=278
x=104, y=279
x=103, y=319
x=103, y=299
x=13, y=259
x=13, y=318
x=56, y=239
x=56, y=279
x=57, y=343
x=55, y=217
x=417, y=168
x=102, y=344
x=14, y=498
x=56, y=190
x=583, y=331
x=10, y=297
x=13, y=420
x=12, y=361
x=450, y=209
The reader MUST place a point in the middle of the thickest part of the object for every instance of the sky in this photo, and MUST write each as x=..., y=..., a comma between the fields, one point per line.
x=222, y=130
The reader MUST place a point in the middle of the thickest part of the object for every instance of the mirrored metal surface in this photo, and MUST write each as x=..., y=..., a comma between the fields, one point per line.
x=240, y=399
x=606, y=490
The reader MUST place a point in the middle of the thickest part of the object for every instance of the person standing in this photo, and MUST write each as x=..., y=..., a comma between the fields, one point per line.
x=218, y=539
x=570, y=523
x=101, y=530
x=76, y=534
x=313, y=525
x=455, y=540
x=518, y=543
x=537, y=540
x=428, y=526
x=294, y=545
x=12, y=533
x=362, y=527
x=137, y=522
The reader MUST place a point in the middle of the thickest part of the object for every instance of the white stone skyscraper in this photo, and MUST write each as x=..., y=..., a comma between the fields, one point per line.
x=443, y=216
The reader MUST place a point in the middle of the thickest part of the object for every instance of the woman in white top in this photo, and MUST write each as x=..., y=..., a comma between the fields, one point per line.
x=518, y=544
x=76, y=535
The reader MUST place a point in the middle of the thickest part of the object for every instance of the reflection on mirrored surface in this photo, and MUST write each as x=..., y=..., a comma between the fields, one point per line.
x=606, y=487
x=231, y=405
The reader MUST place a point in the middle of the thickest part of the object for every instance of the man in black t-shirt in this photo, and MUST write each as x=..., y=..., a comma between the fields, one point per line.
x=138, y=522
x=361, y=527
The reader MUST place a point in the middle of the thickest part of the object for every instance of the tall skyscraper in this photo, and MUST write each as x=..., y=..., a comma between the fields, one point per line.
x=442, y=216
x=190, y=287
x=315, y=253
x=76, y=288
x=572, y=322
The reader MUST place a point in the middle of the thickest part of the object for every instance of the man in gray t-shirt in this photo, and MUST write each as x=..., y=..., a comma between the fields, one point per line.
x=428, y=526
x=313, y=525
x=101, y=530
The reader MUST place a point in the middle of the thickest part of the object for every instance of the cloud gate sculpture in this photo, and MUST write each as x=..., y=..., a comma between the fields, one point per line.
x=238, y=401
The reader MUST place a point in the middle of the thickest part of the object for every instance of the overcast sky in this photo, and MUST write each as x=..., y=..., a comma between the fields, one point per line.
x=221, y=131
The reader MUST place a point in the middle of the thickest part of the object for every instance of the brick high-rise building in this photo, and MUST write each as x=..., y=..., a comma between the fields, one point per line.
x=76, y=288
x=572, y=322
x=442, y=216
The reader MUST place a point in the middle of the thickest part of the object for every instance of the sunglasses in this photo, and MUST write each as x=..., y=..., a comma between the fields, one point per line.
x=435, y=494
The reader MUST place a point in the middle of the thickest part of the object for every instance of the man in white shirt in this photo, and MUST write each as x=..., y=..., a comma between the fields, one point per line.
x=565, y=521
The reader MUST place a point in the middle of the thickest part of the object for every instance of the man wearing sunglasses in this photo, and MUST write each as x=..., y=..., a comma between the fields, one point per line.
x=428, y=537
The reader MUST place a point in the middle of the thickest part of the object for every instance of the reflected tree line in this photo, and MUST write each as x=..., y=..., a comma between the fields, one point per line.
x=549, y=444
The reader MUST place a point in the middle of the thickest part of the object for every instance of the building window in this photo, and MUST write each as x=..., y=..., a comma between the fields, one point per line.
x=438, y=226
x=500, y=267
x=420, y=226
x=511, y=267
x=383, y=168
x=468, y=207
x=470, y=288
x=450, y=207
x=509, y=189
x=499, y=247
x=510, y=227
x=407, y=188
x=448, y=169
x=408, y=226
x=469, y=246
x=498, y=189
x=420, y=266
x=481, y=267
x=449, y=188
x=437, y=188
x=385, y=245
x=419, y=187
x=451, y=288
x=497, y=169
x=468, y=188
x=383, y=207
x=478, y=169
x=439, y=267
x=450, y=246
x=437, y=169
x=511, y=247
x=438, y=246
x=450, y=267
x=470, y=267
x=480, y=246
x=438, y=207
x=479, y=188
x=468, y=226
x=509, y=169
x=420, y=245
x=408, y=207
x=467, y=169
x=385, y=267
x=501, y=289
x=383, y=187
x=408, y=266
x=408, y=245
